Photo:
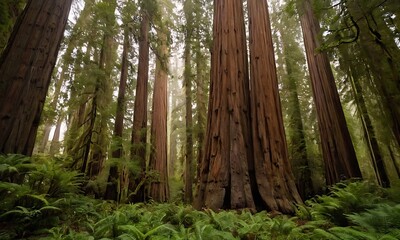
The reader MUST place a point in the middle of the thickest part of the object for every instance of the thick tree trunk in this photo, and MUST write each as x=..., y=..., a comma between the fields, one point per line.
x=224, y=177
x=114, y=187
x=159, y=188
x=139, y=128
x=275, y=184
x=25, y=69
x=338, y=152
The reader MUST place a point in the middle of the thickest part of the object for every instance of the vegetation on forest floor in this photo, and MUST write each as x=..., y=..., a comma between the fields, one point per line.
x=43, y=200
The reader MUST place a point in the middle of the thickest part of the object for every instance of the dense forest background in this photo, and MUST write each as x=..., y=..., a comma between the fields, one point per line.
x=142, y=119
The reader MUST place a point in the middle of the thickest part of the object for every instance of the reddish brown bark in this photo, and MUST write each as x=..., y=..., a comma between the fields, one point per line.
x=337, y=149
x=25, y=69
x=224, y=177
x=159, y=188
x=273, y=175
x=139, y=128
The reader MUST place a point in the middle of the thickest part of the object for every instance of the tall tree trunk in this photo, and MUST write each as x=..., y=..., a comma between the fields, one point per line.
x=275, y=183
x=375, y=40
x=114, y=187
x=300, y=165
x=55, y=142
x=139, y=128
x=201, y=104
x=188, y=196
x=224, y=177
x=353, y=70
x=337, y=147
x=25, y=68
x=159, y=188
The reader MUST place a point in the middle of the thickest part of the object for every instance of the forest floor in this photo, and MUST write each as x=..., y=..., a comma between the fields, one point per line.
x=48, y=204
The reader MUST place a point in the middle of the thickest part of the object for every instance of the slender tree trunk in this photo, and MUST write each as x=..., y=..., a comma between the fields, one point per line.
x=139, y=128
x=159, y=188
x=368, y=129
x=300, y=165
x=374, y=34
x=275, y=183
x=55, y=142
x=188, y=197
x=25, y=68
x=45, y=138
x=224, y=177
x=201, y=104
x=337, y=148
x=114, y=187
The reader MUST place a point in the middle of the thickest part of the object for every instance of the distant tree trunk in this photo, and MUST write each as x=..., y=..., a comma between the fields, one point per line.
x=114, y=187
x=224, y=177
x=45, y=138
x=275, y=183
x=353, y=69
x=25, y=68
x=55, y=142
x=369, y=135
x=300, y=166
x=200, y=103
x=375, y=39
x=188, y=197
x=53, y=105
x=159, y=188
x=337, y=148
x=139, y=128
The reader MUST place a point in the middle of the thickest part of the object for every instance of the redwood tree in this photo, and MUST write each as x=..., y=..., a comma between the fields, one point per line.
x=271, y=168
x=337, y=147
x=159, y=187
x=139, y=128
x=224, y=180
x=114, y=186
x=25, y=69
x=188, y=9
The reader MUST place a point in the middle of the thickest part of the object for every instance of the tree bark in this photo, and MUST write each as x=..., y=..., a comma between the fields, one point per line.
x=275, y=188
x=25, y=69
x=188, y=196
x=159, y=188
x=224, y=177
x=114, y=187
x=55, y=142
x=139, y=128
x=337, y=148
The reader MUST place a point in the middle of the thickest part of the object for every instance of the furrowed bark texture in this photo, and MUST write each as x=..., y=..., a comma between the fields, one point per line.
x=224, y=176
x=275, y=186
x=139, y=132
x=159, y=188
x=337, y=149
x=25, y=71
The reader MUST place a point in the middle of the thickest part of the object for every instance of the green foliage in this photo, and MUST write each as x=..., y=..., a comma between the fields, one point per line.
x=358, y=210
x=345, y=199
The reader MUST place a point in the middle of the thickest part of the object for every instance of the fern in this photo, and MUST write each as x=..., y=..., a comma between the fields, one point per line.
x=13, y=167
x=345, y=199
x=382, y=219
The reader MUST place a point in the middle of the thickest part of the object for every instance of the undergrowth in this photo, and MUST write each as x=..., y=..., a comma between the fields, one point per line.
x=42, y=200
